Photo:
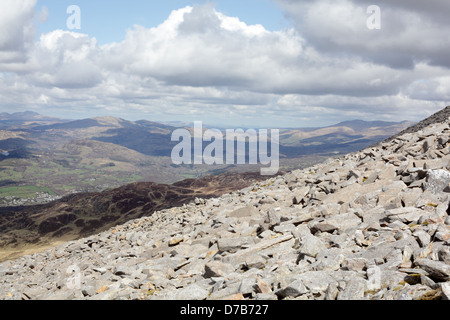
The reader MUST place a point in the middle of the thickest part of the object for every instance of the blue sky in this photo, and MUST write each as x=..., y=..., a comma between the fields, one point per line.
x=108, y=21
x=246, y=63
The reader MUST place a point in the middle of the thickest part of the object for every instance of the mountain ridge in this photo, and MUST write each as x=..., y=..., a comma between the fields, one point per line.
x=31, y=150
x=440, y=116
x=83, y=214
x=370, y=225
x=26, y=116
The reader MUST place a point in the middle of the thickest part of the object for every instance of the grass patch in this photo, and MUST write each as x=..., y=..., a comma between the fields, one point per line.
x=24, y=191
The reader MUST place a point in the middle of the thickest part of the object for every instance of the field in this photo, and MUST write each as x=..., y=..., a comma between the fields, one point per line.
x=24, y=191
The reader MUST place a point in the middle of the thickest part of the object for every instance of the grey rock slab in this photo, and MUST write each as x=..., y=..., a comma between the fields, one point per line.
x=353, y=173
x=417, y=292
x=100, y=270
x=123, y=270
x=263, y=287
x=34, y=293
x=425, y=280
x=447, y=221
x=192, y=292
x=329, y=259
x=274, y=217
x=88, y=290
x=445, y=287
x=354, y=290
x=442, y=209
x=316, y=281
x=294, y=289
x=299, y=194
x=301, y=231
x=302, y=217
x=371, y=178
x=244, y=212
x=354, y=264
x=374, y=274
x=437, y=180
x=345, y=222
x=255, y=261
x=444, y=254
x=285, y=227
x=423, y=238
x=240, y=256
x=234, y=244
x=247, y=286
x=265, y=297
x=60, y=296
x=217, y=269
x=437, y=270
x=311, y=245
x=383, y=248
x=127, y=282
x=323, y=227
x=372, y=215
x=406, y=215
x=227, y=291
x=332, y=291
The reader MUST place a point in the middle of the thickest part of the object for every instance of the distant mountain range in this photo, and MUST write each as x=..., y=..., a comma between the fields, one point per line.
x=58, y=157
x=25, y=116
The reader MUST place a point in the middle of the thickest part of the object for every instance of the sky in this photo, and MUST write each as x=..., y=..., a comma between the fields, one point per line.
x=235, y=63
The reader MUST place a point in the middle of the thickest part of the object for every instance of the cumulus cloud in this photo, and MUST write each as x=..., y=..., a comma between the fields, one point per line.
x=66, y=59
x=200, y=47
x=16, y=29
x=411, y=31
x=200, y=63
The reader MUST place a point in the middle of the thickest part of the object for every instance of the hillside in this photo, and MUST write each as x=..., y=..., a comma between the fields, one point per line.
x=373, y=225
x=43, y=162
x=44, y=158
x=30, y=229
x=438, y=117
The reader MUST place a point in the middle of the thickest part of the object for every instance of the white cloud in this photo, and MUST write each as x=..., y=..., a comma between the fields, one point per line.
x=411, y=31
x=207, y=49
x=16, y=29
x=66, y=60
x=202, y=63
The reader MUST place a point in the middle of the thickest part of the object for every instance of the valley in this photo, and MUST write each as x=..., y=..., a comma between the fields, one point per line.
x=61, y=180
x=29, y=229
x=44, y=158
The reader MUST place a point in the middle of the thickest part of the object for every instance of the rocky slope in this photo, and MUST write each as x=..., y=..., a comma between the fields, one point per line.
x=438, y=117
x=30, y=229
x=370, y=225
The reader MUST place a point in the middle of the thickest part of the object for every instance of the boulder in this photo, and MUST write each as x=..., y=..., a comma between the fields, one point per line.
x=437, y=180
x=438, y=270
